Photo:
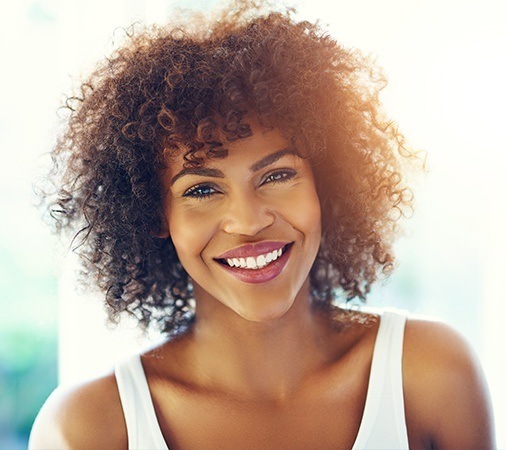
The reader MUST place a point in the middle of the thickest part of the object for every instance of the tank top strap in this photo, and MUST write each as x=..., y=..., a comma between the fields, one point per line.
x=383, y=422
x=142, y=425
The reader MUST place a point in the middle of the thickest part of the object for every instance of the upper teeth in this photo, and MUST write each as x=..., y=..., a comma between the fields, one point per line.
x=252, y=262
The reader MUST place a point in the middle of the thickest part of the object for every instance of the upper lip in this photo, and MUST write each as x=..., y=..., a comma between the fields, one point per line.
x=254, y=249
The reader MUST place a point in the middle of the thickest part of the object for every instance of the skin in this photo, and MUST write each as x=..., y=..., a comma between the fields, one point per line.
x=248, y=205
x=261, y=368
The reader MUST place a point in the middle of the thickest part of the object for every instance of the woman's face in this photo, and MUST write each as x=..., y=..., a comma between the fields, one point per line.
x=246, y=228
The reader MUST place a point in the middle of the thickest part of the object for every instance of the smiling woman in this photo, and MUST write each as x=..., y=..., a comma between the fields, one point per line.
x=230, y=180
x=256, y=226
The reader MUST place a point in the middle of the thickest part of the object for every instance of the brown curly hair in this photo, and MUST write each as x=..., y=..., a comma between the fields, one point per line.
x=177, y=89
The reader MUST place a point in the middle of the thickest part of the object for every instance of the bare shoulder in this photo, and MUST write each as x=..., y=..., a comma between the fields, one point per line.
x=81, y=417
x=446, y=394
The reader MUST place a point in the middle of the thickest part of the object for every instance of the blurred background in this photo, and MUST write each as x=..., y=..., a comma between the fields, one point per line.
x=446, y=64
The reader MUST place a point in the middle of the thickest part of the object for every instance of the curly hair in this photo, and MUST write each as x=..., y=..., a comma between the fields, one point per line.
x=178, y=89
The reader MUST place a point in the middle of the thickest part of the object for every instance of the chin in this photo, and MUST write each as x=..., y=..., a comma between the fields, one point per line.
x=264, y=314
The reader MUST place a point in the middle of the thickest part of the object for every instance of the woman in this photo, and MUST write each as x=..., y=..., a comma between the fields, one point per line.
x=231, y=180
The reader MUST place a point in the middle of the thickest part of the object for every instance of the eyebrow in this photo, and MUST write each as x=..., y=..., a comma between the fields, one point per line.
x=271, y=159
x=202, y=171
x=216, y=173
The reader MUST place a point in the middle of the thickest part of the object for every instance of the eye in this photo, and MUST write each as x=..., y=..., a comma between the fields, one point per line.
x=200, y=191
x=280, y=176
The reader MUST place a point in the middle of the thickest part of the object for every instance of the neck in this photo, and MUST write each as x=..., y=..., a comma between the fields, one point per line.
x=261, y=359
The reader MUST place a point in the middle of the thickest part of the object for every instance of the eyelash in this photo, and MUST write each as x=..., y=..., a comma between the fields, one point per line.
x=193, y=191
x=284, y=174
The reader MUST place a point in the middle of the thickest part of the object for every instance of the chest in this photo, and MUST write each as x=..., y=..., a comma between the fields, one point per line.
x=193, y=420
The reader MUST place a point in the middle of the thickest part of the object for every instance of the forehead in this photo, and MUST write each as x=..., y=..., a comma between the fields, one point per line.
x=245, y=151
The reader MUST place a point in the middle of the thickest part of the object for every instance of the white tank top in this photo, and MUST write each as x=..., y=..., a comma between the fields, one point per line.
x=383, y=424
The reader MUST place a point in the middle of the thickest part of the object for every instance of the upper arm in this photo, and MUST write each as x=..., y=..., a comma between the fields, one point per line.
x=84, y=417
x=446, y=394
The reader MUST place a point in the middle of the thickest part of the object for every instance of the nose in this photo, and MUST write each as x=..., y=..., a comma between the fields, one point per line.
x=246, y=215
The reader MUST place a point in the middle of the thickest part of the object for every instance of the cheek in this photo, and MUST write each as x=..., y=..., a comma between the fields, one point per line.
x=306, y=213
x=189, y=234
x=313, y=210
x=313, y=227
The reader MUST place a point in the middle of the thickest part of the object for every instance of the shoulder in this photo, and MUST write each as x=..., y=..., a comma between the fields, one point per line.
x=84, y=416
x=445, y=391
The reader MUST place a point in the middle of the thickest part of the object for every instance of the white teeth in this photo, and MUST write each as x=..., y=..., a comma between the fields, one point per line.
x=250, y=262
x=260, y=261
x=255, y=263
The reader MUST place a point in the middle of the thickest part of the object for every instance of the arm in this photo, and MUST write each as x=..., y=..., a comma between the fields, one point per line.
x=447, y=399
x=84, y=417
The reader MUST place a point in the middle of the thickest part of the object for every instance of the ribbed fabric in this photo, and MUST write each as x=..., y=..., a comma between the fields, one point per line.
x=383, y=425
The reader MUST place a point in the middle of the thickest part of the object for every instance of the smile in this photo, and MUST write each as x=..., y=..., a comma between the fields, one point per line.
x=254, y=267
x=254, y=263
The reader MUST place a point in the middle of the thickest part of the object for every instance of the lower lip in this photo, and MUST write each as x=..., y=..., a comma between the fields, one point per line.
x=257, y=276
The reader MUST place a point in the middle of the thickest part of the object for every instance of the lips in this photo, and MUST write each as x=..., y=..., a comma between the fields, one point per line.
x=253, y=250
x=256, y=263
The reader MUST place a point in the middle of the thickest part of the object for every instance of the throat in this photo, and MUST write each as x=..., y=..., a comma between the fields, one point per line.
x=264, y=360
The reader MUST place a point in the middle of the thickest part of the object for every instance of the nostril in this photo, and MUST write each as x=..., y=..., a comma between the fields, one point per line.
x=248, y=223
